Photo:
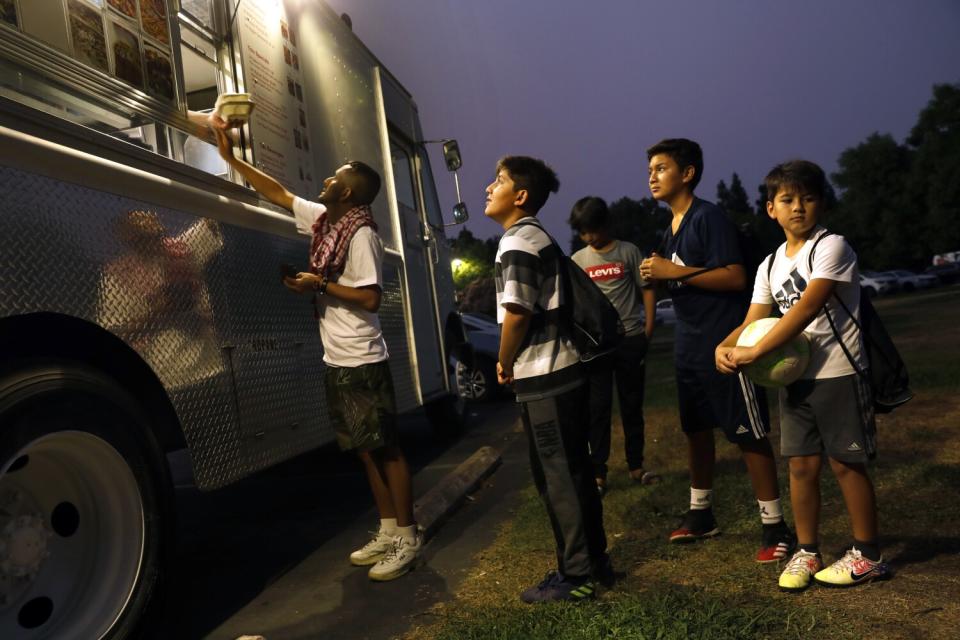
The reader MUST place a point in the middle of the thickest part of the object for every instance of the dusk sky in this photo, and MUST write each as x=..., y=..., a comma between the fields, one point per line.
x=589, y=85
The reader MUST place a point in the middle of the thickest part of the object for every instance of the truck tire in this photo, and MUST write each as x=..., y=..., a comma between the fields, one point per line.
x=85, y=506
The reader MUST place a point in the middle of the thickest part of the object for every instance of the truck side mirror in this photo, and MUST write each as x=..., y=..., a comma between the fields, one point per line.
x=460, y=214
x=451, y=155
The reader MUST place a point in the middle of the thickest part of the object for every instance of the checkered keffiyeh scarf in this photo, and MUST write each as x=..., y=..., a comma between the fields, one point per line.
x=328, y=251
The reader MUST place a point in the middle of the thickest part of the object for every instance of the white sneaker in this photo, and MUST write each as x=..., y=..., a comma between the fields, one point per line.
x=371, y=552
x=398, y=560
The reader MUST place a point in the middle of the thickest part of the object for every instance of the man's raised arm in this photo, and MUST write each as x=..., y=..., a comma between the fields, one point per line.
x=264, y=184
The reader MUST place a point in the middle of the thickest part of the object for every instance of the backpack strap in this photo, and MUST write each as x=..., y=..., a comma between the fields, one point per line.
x=826, y=309
x=564, y=274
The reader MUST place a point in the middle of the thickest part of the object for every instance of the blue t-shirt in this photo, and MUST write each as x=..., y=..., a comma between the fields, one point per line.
x=706, y=238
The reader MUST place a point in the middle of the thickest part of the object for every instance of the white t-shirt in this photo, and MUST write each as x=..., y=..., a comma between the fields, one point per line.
x=835, y=260
x=351, y=337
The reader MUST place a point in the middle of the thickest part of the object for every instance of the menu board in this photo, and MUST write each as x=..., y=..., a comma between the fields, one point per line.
x=279, y=123
x=128, y=39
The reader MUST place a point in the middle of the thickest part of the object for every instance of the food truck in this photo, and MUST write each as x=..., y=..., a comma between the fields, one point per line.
x=141, y=305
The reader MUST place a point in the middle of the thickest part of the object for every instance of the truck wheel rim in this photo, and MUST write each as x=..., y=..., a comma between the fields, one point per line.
x=71, y=537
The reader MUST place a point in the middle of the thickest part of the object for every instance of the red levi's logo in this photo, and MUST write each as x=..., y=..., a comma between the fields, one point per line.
x=609, y=271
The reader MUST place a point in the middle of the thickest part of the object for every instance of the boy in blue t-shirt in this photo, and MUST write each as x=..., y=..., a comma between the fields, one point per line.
x=703, y=270
x=811, y=278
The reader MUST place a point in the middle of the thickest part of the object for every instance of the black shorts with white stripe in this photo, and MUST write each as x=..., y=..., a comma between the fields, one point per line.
x=710, y=399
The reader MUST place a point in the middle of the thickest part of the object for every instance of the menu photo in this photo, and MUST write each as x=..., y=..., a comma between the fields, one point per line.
x=8, y=11
x=86, y=32
x=153, y=18
x=159, y=73
x=126, y=54
x=126, y=7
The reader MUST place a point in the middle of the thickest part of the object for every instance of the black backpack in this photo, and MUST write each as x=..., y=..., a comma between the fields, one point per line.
x=591, y=321
x=886, y=372
x=753, y=252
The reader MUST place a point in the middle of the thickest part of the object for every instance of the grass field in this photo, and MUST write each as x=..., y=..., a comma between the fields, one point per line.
x=714, y=589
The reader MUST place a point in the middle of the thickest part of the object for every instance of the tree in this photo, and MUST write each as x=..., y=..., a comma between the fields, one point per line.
x=472, y=258
x=934, y=179
x=763, y=235
x=900, y=202
x=733, y=200
x=875, y=212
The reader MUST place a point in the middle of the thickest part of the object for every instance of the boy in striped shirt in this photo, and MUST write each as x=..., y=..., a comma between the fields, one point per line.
x=544, y=368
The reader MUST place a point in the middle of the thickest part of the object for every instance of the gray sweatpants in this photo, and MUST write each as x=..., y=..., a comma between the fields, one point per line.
x=557, y=430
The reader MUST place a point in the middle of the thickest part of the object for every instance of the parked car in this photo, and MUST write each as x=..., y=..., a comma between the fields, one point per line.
x=909, y=281
x=665, y=313
x=479, y=382
x=878, y=284
x=875, y=285
x=947, y=273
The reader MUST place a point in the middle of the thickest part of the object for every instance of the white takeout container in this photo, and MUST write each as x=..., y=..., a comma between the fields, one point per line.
x=234, y=106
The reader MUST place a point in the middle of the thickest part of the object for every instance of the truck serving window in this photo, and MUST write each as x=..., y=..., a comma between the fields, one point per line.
x=128, y=68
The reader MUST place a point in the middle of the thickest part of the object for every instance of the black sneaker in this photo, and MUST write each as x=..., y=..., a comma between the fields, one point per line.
x=601, y=486
x=603, y=572
x=697, y=524
x=777, y=544
x=555, y=586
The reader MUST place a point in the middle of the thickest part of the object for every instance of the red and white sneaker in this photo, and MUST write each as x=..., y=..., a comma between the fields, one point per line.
x=777, y=545
x=853, y=569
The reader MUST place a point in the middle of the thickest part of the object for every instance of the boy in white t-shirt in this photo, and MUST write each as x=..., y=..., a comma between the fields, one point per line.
x=829, y=409
x=345, y=277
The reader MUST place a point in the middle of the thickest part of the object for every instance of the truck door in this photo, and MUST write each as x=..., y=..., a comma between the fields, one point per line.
x=420, y=287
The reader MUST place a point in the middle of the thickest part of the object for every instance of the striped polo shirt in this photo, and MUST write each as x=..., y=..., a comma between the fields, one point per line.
x=527, y=274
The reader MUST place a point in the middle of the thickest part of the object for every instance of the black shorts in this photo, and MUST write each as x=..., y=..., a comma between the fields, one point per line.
x=710, y=399
x=362, y=406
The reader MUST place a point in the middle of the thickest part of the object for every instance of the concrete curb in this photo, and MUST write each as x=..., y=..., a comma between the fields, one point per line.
x=438, y=503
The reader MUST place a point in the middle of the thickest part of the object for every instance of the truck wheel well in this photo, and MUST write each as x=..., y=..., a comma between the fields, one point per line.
x=57, y=336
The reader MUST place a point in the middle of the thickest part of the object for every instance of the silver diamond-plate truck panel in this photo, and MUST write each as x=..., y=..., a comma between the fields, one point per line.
x=200, y=301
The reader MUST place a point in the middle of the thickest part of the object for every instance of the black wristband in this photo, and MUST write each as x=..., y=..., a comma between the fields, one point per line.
x=323, y=285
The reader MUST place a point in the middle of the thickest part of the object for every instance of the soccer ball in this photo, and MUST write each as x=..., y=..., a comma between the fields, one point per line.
x=780, y=367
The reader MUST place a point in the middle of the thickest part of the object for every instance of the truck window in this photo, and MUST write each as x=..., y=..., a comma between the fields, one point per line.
x=199, y=11
x=431, y=202
x=406, y=194
x=403, y=175
x=201, y=84
x=128, y=68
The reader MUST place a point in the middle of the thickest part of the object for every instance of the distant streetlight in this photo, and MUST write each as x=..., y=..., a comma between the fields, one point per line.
x=456, y=264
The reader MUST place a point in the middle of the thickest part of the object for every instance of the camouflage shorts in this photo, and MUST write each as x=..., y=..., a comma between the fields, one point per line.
x=362, y=406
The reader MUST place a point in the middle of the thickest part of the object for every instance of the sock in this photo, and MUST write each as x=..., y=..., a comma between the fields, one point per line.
x=813, y=547
x=770, y=512
x=407, y=533
x=700, y=499
x=870, y=550
x=388, y=526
